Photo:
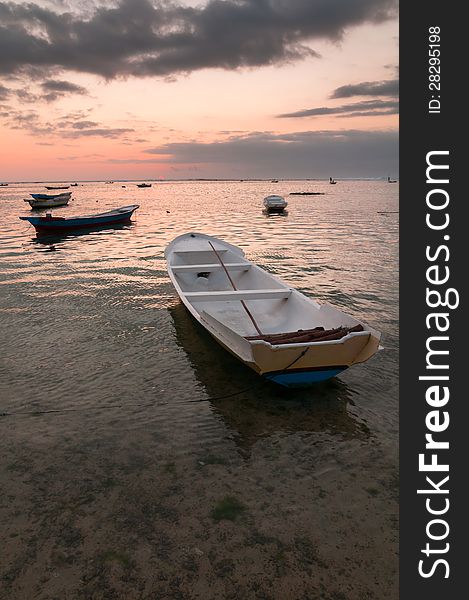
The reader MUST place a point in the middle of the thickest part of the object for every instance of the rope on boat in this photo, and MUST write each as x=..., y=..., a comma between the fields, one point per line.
x=235, y=288
x=111, y=406
x=64, y=410
x=239, y=392
x=296, y=359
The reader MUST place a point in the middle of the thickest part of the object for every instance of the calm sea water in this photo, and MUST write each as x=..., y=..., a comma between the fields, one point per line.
x=102, y=369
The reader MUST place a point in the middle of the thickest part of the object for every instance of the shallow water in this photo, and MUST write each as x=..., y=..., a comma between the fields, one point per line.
x=116, y=401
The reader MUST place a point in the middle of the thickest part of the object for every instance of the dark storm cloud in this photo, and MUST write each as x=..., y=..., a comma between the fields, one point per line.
x=302, y=154
x=367, y=107
x=368, y=88
x=144, y=38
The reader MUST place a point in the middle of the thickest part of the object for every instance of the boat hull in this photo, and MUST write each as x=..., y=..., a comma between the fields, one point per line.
x=56, y=225
x=275, y=209
x=48, y=203
x=80, y=225
x=65, y=195
x=303, y=378
x=302, y=365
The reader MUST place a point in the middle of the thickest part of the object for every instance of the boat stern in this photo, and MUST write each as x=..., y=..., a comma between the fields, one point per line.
x=298, y=365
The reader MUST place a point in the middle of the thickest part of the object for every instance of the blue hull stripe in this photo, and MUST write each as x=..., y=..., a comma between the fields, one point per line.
x=300, y=378
x=70, y=222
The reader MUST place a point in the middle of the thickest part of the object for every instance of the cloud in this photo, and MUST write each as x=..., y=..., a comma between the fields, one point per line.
x=345, y=153
x=58, y=89
x=4, y=92
x=24, y=95
x=104, y=132
x=48, y=91
x=136, y=161
x=62, y=87
x=365, y=108
x=145, y=38
x=72, y=126
x=84, y=124
x=368, y=88
x=22, y=119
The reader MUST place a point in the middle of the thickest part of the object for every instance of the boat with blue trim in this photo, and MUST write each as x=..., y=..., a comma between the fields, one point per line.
x=274, y=329
x=51, y=196
x=52, y=224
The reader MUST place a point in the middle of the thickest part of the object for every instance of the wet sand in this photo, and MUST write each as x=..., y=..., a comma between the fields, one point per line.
x=109, y=518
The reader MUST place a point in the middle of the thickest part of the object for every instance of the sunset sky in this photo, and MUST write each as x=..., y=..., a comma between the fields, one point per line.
x=139, y=89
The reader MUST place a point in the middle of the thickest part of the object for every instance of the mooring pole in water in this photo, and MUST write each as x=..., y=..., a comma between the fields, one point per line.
x=235, y=289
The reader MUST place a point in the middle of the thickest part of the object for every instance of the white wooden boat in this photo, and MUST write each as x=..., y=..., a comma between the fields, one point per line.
x=275, y=203
x=48, y=200
x=274, y=329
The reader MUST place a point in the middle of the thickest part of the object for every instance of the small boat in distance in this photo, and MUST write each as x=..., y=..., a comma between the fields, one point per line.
x=332, y=181
x=275, y=203
x=50, y=224
x=3, y=184
x=108, y=182
x=143, y=185
x=274, y=181
x=50, y=196
x=49, y=200
x=57, y=187
x=74, y=185
x=391, y=180
x=283, y=335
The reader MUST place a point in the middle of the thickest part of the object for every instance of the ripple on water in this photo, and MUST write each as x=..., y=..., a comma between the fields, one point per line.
x=91, y=323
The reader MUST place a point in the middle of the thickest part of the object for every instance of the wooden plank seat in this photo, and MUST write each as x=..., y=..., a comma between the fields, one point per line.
x=186, y=252
x=208, y=268
x=223, y=296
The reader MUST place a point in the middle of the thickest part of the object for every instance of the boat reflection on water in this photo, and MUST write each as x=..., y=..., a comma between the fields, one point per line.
x=263, y=408
x=268, y=213
x=48, y=239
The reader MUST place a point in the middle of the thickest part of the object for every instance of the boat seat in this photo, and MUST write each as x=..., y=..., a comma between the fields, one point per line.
x=186, y=252
x=207, y=268
x=224, y=296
